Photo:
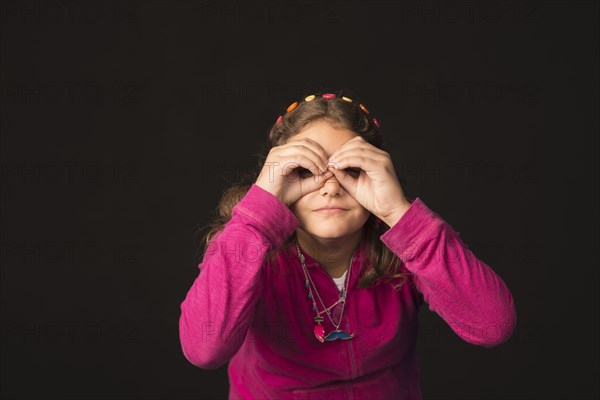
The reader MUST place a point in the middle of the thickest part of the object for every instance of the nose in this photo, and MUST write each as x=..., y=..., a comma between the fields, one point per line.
x=332, y=187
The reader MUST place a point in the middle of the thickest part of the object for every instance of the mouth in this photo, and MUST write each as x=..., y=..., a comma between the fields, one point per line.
x=329, y=211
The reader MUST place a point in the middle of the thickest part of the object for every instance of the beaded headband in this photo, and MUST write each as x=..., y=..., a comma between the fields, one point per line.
x=327, y=96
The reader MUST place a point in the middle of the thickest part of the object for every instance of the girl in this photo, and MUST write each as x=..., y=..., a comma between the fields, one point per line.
x=314, y=273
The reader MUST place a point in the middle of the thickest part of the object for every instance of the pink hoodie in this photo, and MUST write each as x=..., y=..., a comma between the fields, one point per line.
x=258, y=316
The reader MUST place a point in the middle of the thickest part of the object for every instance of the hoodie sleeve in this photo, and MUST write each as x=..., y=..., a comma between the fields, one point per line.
x=219, y=307
x=460, y=288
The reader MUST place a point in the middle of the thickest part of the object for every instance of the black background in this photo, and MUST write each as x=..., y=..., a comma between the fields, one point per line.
x=122, y=122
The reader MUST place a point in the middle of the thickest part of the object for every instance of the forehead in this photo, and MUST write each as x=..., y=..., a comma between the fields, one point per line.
x=327, y=135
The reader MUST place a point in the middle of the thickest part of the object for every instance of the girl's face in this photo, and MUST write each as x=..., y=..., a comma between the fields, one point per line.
x=328, y=224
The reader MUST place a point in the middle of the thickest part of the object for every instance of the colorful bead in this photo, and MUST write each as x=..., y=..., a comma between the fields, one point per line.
x=292, y=106
x=311, y=97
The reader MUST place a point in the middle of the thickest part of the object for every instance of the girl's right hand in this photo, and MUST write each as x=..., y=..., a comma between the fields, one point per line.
x=294, y=169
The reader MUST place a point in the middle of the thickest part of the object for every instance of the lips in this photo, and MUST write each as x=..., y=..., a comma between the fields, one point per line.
x=331, y=209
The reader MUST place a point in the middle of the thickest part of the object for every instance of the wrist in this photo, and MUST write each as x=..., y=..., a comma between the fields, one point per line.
x=270, y=190
x=392, y=218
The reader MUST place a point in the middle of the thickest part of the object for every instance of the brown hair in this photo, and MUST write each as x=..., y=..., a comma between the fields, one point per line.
x=383, y=263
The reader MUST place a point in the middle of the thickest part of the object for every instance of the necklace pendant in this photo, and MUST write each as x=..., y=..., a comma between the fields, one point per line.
x=338, y=334
x=319, y=331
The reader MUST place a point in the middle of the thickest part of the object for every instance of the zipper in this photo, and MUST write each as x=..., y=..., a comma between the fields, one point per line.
x=353, y=359
x=353, y=364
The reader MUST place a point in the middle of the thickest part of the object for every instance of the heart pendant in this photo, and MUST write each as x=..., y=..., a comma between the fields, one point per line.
x=320, y=333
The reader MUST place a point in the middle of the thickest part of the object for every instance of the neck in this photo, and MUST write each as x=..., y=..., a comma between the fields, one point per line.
x=333, y=254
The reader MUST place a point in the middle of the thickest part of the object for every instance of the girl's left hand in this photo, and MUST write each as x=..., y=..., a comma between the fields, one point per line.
x=375, y=186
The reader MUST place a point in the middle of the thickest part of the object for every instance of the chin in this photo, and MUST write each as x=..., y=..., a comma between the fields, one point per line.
x=327, y=234
x=332, y=232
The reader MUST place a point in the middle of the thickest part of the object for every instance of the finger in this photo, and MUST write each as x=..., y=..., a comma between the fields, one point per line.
x=314, y=183
x=356, y=159
x=314, y=147
x=357, y=148
x=347, y=181
x=300, y=161
x=293, y=152
x=357, y=143
x=295, y=156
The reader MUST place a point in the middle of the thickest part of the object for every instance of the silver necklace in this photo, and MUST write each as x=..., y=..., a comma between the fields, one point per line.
x=319, y=330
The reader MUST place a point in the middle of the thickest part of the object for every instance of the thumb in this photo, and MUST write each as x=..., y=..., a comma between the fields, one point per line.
x=345, y=180
x=315, y=182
